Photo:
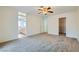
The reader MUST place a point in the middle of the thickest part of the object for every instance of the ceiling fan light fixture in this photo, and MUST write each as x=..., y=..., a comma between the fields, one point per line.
x=45, y=10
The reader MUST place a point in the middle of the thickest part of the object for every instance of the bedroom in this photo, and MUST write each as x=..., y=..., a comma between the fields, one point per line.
x=40, y=29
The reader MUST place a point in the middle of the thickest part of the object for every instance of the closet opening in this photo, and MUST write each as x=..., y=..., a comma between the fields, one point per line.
x=62, y=26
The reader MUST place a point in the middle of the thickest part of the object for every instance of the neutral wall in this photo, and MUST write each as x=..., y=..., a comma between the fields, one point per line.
x=78, y=24
x=71, y=24
x=34, y=24
x=8, y=24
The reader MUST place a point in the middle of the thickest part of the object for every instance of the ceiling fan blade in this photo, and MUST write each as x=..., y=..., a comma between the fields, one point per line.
x=49, y=8
x=50, y=11
x=39, y=9
x=41, y=6
x=39, y=12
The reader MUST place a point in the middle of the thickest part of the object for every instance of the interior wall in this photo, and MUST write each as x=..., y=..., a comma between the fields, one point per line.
x=78, y=24
x=34, y=24
x=8, y=24
x=71, y=21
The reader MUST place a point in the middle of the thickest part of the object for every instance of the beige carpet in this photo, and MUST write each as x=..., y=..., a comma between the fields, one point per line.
x=41, y=43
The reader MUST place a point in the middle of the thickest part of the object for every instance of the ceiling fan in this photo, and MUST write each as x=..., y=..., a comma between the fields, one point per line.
x=45, y=10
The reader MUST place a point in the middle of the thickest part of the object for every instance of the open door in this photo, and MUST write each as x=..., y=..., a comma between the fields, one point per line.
x=62, y=26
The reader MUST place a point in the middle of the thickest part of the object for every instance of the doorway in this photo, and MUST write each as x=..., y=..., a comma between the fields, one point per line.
x=44, y=24
x=22, y=25
x=45, y=28
x=62, y=26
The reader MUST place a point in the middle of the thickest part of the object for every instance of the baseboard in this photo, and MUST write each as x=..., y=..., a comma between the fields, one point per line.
x=6, y=40
x=78, y=40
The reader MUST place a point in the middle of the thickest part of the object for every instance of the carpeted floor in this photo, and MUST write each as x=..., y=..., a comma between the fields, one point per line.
x=41, y=43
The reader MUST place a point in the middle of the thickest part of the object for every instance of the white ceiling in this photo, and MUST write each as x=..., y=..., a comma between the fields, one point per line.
x=34, y=9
